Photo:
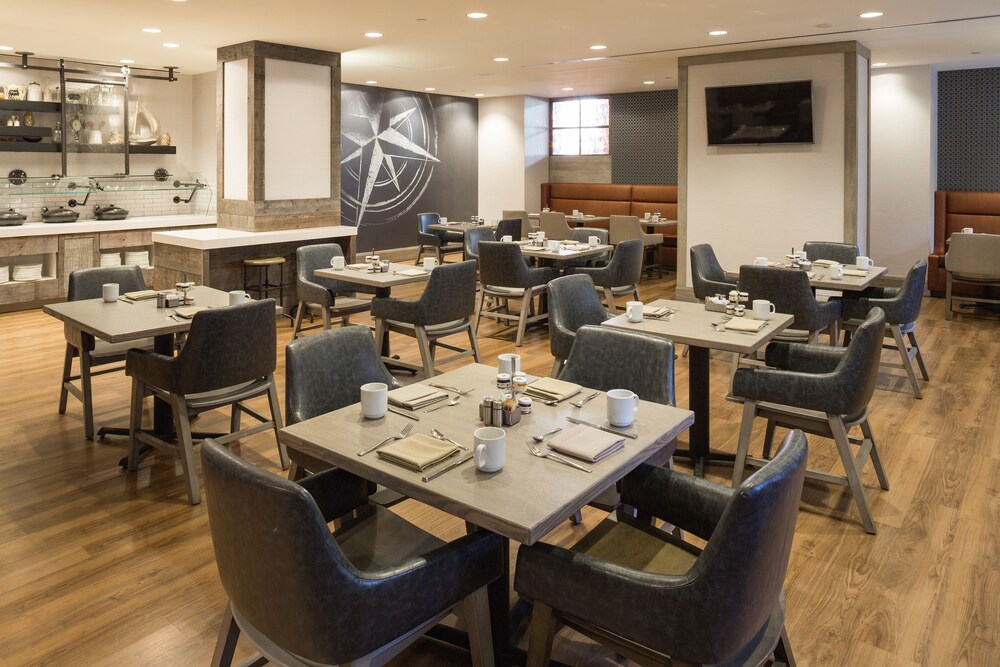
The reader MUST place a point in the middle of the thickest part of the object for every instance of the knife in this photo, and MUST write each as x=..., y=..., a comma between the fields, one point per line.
x=445, y=469
x=404, y=414
x=574, y=420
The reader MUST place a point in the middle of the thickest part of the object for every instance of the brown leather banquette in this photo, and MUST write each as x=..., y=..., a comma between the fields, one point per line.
x=954, y=210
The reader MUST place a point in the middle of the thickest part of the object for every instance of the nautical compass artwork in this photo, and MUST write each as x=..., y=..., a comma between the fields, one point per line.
x=388, y=153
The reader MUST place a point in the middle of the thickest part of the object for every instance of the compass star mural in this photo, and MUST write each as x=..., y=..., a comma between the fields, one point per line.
x=388, y=149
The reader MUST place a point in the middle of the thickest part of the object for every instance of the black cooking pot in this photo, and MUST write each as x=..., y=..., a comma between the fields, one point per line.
x=61, y=214
x=110, y=212
x=11, y=217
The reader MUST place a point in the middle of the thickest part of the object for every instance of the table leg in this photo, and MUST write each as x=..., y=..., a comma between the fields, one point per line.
x=698, y=400
x=499, y=596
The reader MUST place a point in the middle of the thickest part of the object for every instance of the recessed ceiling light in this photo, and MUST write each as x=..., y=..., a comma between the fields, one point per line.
x=598, y=47
x=371, y=82
x=718, y=33
x=648, y=83
x=126, y=61
x=879, y=64
x=172, y=45
x=152, y=30
x=373, y=35
x=567, y=89
x=480, y=95
x=6, y=48
x=501, y=59
x=430, y=89
x=870, y=15
x=477, y=15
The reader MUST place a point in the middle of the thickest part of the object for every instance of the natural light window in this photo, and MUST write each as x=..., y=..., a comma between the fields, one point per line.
x=580, y=126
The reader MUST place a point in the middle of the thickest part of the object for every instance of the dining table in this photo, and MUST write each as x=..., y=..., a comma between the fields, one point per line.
x=522, y=502
x=565, y=251
x=700, y=329
x=819, y=277
x=578, y=220
x=455, y=226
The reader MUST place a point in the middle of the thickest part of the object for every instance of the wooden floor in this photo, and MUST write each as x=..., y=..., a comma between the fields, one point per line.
x=104, y=567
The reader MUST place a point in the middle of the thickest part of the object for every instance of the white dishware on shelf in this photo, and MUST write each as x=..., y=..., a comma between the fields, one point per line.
x=4, y=273
x=27, y=272
x=138, y=257
x=111, y=259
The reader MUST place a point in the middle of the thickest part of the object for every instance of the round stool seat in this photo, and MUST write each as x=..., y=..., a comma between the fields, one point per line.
x=264, y=261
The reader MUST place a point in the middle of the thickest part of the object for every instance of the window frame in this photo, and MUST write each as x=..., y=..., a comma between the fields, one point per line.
x=578, y=127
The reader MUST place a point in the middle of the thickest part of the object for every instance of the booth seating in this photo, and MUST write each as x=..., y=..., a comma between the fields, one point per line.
x=954, y=210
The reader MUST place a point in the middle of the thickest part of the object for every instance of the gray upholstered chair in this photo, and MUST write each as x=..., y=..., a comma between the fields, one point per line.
x=627, y=227
x=573, y=302
x=843, y=253
x=901, y=306
x=820, y=390
x=440, y=242
x=707, y=276
x=87, y=284
x=582, y=235
x=324, y=373
x=509, y=227
x=303, y=596
x=621, y=275
x=505, y=275
x=228, y=358
x=471, y=239
x=554, y=224
x=444, y=309
x=659, y=600
x=333, y=298
x=974, y=259
x=526, y=224
x=790, y=292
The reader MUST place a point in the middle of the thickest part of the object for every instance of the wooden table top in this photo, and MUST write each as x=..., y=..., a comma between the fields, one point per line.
x=846, y=284
x=121, y=321
x=692, y=325
x=455, y=226
x=658, y=224
x=563, y=254
x=390, y=278
x=526, y=499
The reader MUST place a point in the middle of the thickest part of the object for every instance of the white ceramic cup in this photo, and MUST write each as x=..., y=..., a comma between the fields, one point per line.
x=552, y=245
x=430, y=263
x=374, y=400
x=507, y=238
x=622, y=406
x=509, y=363
x=836, y=271
x=646, y=215
x=238, y=296
x=110, y=292
x=490, y=448
x=634, y=311
x=762, y=309
x=338, y=262
x=760, y=261
x=576, y=213
x=540, y=235
x=442, y=219
x=967, y=230
x=801, y=254
x=593, y=240
x=864, y=263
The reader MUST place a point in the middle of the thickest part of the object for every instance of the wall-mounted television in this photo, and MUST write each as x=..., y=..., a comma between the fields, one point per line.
x=766, y=113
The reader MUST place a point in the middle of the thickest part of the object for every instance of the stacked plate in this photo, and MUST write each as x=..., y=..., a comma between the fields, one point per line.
x=26, y=272
x=111, y=259
x=140, y=257
x=4, y=274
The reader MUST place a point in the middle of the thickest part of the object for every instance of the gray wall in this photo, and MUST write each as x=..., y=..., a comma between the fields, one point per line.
x=644, y=138
x=969, y=129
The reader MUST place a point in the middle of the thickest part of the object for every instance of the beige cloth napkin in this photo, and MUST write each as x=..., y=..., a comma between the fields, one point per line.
x=775, y=264
x=857, y=273
x=744, y=324
x=552, y=389
x=417, y=452
x=824, y=262
x=141, y=295
x=811, y=274
x=416, y=396
x=187, y=312
x=655, y=311
x=412, y=272
x=584, y=442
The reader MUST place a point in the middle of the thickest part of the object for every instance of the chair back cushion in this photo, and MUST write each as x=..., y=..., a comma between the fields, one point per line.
x=425, y=219
x=853, y=381
x=471, y=239
x=604, y=358
x=309, y=258
x=910, y=295
x=625, y=268
x=509, y=227
x=708, y=278
x=554, y=225
x=845, y=253
x=228, y=346
x=502, y=265
x=974, y=255
x=573, y=302
x=519, y=215
x=450, y=294
x=86, y=283
x=624, y=228
x=324, y=372
x=787, y=289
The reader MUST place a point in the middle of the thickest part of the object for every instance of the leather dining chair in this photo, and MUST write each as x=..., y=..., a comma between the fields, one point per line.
x=573, y=303
x=471, y=239
x=228, y=358
x=440, y=242
x=526, y=224
x=445, y=308
x=304, y=596
x=620, y=277
x=790, y=292
x=333, y=298
x=554, y=224
x=972, y=259
x=707, y=276
x=509, y=227
x=626, y=228
x=87, y=284
x=842, y=253
x=505, y=275
x=659, y=600
x=821, y=390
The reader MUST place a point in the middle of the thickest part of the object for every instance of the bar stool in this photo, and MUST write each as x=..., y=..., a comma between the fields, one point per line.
x=263, y=288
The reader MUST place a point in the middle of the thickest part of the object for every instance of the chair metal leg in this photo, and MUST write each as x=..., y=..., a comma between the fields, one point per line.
x=853, y=478
x=135, y=423
x=275, y=403
x=229, y=634
x=904, y=353
x=543, y=628
x=746, y=427
x=476, y=610
x=866, y=431
x=297, y=322
x=912, y=336
x=66, y=375
x=185, y=448
x=947, y=298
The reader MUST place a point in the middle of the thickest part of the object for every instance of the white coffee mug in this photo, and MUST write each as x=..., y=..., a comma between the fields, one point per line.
x=509, y=363
x=540, y=235
x=507, y=238
x=552, y=245
x=836, y=272
x=864, y=263
x=238, y=296
x=490, y=448
x=967, y=230
x=622, y=406
x=374, y=400
x=110, y=292
x=760, y=261
x=593, y=240
x=646, y=215
x=801, y=254
x=338, y=262
x=442, y=219
x=430, y=263
x=762, y=309
x=576, y=213
x=634, y=311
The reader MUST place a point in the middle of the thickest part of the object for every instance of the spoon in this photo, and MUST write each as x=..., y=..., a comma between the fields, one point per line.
x=579, y=404
x=441, y=436
x=453, y=401
x=539, y=438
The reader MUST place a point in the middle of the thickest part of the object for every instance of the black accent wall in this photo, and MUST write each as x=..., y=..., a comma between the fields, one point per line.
x=644, y=137
x=969, y=130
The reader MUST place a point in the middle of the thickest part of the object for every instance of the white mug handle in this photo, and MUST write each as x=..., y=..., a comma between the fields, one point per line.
x=773, y=308
x=636, y=408
x=480, y=455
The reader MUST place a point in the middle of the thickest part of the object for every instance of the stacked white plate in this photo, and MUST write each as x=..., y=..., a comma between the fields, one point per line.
x=140, y=257
x=111, y=259
x=26, y=272
x=4, y=274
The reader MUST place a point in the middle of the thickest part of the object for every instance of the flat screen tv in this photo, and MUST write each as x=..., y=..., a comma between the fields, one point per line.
x=766, y=113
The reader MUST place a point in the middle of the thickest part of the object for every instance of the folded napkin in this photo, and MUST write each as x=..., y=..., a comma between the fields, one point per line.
x=417, y=452
x=416, y=396
x=575, y=246
x=357, y=266
x=655, y=311
x=811, y=274
x=141, y=295
x=824, y=262
x=775, y=264
x=552, y=389
x=412, y=272
x=587, y=443
x=857, y=273
x=187, y=312
x=743, y=324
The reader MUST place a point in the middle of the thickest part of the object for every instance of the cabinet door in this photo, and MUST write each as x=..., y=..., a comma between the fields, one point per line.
x=76, y=252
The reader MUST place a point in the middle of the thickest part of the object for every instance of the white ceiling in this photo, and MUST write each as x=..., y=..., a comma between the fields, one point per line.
x=432, y=43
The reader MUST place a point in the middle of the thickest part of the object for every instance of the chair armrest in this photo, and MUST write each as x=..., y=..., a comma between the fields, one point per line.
x=812, y=391
x=542, y=275
x=688, y=502
x=804, y=358
x=150, y=367
x=336, y=492
x=426, y=238
x=398, y=309
x=311, y=292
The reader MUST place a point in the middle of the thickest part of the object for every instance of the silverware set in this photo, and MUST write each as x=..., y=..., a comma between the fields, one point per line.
x=441, y=436
x=579, y=404
x=544, y=454
x=399, y=436
x=450, y=388
x=450, y=403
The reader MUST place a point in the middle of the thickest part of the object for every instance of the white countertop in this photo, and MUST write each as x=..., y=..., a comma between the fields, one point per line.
x=216, y=238
x=93, y=226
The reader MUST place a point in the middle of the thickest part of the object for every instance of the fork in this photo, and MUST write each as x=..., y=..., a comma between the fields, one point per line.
x=450, y=388
x=579, y=404
x=450, y=403
x=537, y=451
x=399, y=436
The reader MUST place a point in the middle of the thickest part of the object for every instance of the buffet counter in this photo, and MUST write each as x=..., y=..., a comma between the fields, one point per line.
x=150, y=222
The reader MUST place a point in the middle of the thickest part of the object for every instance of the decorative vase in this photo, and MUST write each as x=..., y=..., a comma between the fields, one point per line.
x=143, y=127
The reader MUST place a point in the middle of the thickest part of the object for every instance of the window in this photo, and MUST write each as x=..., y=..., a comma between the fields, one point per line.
x=580, y=126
